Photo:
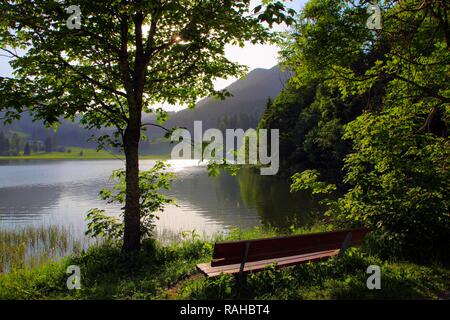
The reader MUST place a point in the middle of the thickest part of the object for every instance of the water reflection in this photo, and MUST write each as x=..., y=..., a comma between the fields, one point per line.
x=61, y=192
x=273, y=202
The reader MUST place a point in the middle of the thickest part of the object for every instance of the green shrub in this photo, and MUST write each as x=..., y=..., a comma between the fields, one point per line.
x=400, y=182
x=152, y=201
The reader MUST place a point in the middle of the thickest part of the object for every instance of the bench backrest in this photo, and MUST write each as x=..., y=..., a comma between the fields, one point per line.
x=232, y=252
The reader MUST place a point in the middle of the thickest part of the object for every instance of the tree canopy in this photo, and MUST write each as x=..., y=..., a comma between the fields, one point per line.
x=375, y=106
x=127, y=57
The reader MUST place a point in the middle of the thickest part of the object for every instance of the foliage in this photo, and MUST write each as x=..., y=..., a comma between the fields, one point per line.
x=307, y=180
x=4, y=144
x=400, y=181
x=311, y=120
x=387, y=137
x=100, y=225
x=168, y=272
x=152, y=200
x=12, y=143
x=108, y=273
x=334, y=279
x=97, y=86
x=126, y=57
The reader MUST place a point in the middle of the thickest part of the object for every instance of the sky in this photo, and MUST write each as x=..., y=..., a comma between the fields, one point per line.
x=253, y=56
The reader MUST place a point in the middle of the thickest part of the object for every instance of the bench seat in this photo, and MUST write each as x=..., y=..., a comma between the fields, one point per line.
x=255, y=266
x=245, y=256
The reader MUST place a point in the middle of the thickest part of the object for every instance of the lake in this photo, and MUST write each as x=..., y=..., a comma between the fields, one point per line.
x=53, y=192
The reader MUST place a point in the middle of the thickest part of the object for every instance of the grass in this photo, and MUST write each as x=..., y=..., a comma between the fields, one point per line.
x=31, y=247
x=168, y=272
x=77, y=154
x=343, y=278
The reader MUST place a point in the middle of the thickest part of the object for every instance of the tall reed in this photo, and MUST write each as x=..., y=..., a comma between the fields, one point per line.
x=32, y=246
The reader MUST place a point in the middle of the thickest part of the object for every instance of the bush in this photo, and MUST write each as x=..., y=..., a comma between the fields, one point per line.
x=400, y=182
x=161, y=272
x=152, y=201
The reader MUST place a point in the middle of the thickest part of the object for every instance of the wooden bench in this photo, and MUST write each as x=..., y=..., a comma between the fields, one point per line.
x=242, y=257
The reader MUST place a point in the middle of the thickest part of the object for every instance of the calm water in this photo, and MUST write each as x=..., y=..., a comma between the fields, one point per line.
x=61, y=192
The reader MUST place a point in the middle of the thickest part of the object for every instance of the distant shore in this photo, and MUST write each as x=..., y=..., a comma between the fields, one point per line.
x=78, y=154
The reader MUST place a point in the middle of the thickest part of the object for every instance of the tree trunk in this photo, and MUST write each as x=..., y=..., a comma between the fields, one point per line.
x=131, y=239
x=132, y=136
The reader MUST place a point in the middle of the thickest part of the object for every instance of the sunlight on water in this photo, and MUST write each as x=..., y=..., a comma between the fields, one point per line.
x=60, y=193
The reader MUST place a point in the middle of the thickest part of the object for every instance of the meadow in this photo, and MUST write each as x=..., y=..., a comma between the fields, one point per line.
x=77, y=154
x=167, y=271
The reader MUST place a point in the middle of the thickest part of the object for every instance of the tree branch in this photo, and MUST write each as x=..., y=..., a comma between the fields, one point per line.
x=89, y=79
x=429, y=91
x=123, y=56
x=156, y=125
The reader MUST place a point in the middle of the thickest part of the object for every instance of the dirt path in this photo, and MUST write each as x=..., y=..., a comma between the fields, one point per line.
x=172, y=292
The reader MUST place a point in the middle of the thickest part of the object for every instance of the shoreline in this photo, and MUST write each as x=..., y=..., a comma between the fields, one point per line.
x=48, y=157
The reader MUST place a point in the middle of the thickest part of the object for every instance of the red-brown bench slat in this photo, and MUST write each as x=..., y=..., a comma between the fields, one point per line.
x=282, y=251
x=232, y=251
x=256, y=266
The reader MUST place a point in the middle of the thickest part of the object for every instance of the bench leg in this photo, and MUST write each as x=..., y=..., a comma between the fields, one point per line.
x=241, y=284
x=241, y=279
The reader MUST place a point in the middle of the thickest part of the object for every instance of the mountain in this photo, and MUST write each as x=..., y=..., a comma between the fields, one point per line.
x=68, y=134
x=243, y=110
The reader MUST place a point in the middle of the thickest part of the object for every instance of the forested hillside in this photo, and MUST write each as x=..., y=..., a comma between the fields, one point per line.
x=311, y=119
x=69, y=134
x=242, y=110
